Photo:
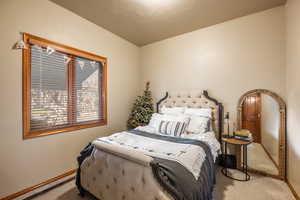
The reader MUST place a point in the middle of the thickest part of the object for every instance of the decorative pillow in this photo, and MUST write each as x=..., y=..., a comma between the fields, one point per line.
x=203, y=112
x=157, y=118
x=172, y=128
x=198, y=125
x=172, y=111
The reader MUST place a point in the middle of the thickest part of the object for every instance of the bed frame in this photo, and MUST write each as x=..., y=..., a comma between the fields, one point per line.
x=196, y=99
x=112, y=174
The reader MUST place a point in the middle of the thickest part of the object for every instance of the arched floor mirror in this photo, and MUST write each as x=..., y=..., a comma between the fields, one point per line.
x=263, y=113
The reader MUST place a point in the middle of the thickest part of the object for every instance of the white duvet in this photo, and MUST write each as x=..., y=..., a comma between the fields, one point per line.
x=190, y=156
x=209, y=138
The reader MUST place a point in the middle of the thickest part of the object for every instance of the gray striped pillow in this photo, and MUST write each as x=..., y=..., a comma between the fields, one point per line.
x=171, y=128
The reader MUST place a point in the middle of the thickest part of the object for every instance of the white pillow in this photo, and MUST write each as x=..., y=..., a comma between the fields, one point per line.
x=198, y=125
x=203, y=112
x=157, y=118
x=172, y=111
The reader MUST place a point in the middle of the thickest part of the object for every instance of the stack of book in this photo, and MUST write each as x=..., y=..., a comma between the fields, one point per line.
x=243, y=135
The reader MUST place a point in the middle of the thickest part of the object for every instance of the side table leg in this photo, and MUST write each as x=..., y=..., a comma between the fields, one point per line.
x=246, y=161
x=226, y=169
x=243, y=160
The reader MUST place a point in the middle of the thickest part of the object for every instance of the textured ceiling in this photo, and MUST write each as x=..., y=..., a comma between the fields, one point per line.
x=145, y=21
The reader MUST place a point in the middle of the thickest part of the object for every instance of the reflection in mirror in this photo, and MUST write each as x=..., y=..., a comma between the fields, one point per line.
x=270, y=118
x=263, y=154
x=261, y=112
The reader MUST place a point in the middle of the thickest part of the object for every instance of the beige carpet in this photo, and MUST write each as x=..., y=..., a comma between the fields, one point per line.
x=259, y=160
x=258, y=188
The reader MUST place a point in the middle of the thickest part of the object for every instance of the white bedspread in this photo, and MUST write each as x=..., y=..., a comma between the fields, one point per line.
x=190, y=156
x=209, y=138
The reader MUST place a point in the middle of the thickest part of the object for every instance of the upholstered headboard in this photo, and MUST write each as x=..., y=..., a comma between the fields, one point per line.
x=196, y=100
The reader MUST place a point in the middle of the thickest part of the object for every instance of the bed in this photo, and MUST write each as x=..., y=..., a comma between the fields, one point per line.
x=141, y=164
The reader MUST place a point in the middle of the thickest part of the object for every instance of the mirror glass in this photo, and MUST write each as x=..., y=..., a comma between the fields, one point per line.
x=260, y=114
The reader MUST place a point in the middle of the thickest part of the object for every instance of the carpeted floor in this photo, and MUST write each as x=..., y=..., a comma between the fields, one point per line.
x=258, y=188
x=259, y=160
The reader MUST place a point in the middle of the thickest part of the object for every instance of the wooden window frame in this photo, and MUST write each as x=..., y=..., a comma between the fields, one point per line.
x=35, y=40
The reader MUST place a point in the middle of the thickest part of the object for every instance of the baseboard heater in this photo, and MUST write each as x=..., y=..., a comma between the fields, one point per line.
x=41, y=187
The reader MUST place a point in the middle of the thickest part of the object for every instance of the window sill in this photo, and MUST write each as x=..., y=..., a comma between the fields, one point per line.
x=33, y=134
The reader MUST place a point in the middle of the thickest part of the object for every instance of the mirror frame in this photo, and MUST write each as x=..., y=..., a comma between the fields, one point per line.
x=282, y=132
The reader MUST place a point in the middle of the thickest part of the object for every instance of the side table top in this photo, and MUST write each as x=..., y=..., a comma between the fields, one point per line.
x=236, y=141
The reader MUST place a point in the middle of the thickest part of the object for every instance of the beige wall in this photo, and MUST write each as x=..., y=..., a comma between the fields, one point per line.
x=293, y=91
x=27, y=162
x=270, y=124
x=227, y=59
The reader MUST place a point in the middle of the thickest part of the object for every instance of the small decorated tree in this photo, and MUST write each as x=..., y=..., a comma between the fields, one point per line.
x=142, y=109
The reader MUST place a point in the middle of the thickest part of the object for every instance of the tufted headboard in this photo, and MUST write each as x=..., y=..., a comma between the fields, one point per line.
x=196, y=100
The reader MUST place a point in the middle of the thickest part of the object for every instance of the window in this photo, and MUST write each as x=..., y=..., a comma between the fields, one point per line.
x=64, y=89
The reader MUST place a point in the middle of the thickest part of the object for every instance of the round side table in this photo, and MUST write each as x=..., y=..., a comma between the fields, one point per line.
x=243, y=144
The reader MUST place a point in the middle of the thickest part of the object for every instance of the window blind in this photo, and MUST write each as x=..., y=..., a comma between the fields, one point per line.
x=87, y=90
x=65, y=90
x=49, y=91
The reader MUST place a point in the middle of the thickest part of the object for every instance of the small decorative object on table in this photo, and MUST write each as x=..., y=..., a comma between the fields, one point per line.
x=243, y=135
x=226, y=118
